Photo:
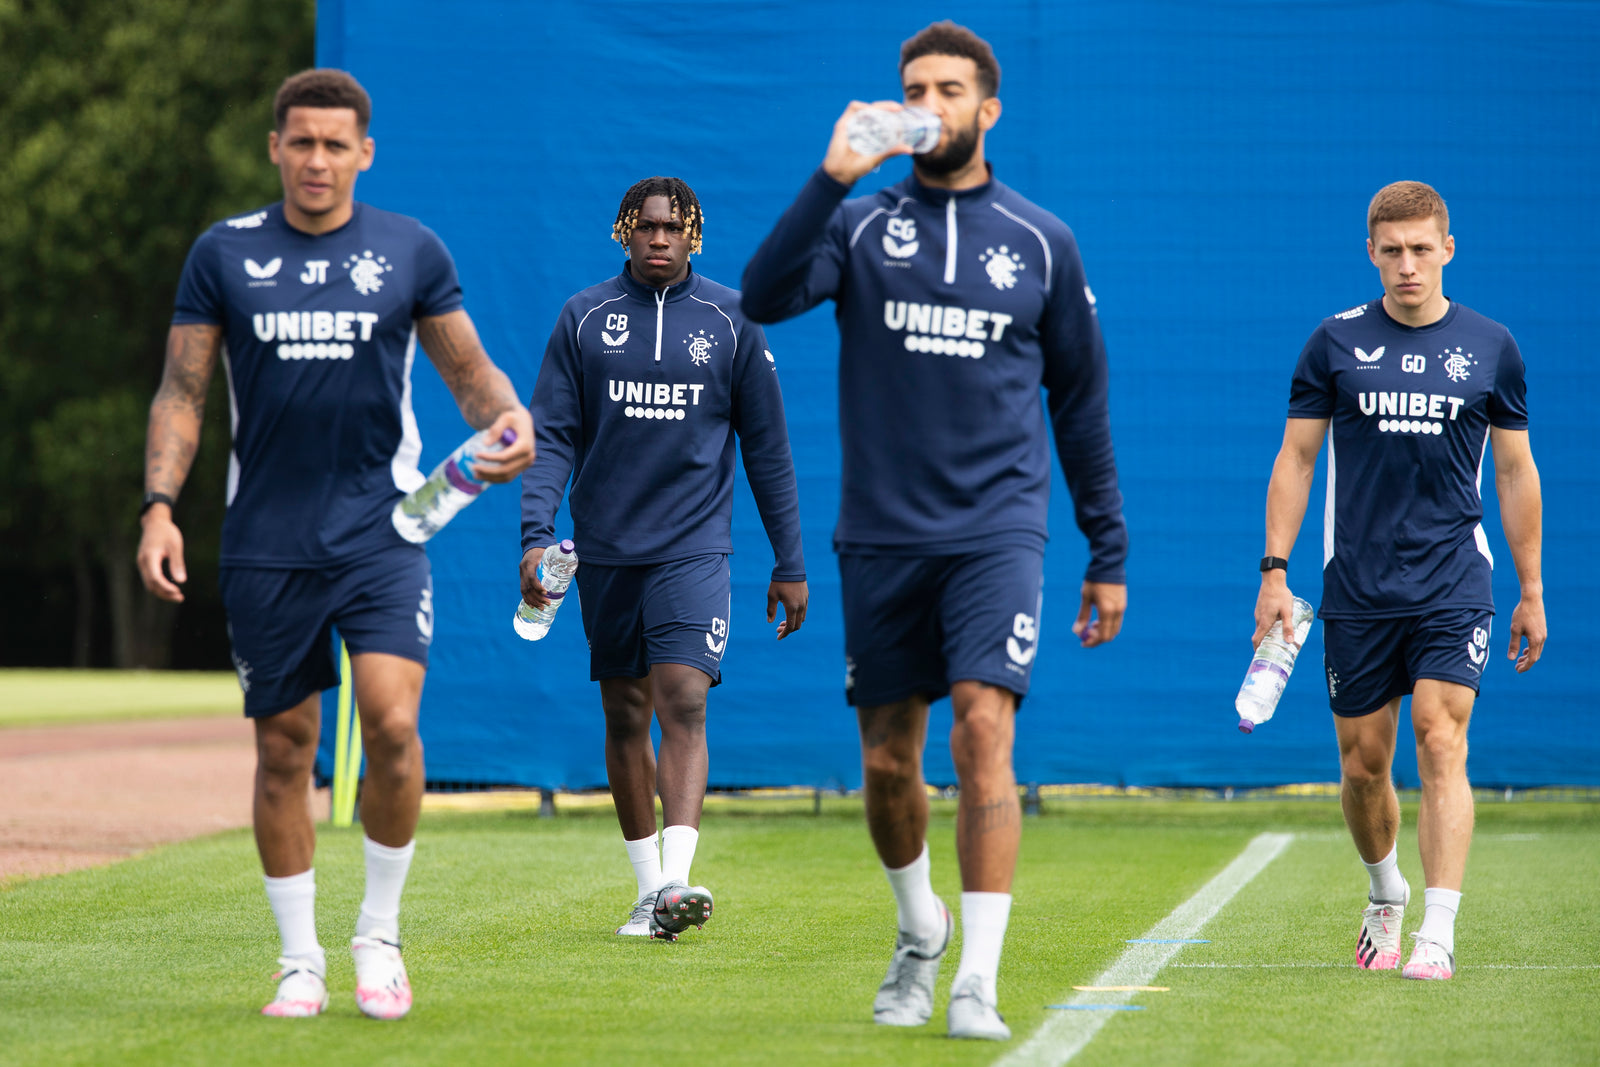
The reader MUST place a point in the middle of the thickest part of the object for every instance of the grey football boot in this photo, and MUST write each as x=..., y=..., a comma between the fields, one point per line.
x=906, y=996
x=973, y=1011
x=638, y=924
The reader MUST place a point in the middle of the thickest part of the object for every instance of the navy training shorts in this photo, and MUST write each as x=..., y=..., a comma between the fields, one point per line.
x=636, y=617
x=1369, y=662
x=914, y=625
x=280, y=621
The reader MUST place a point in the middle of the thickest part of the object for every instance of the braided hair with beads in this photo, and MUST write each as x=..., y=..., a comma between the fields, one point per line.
x=684, y=203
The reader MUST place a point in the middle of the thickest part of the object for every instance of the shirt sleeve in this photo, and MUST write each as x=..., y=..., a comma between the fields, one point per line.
x=557, y=409
x=801, y=262
x=438, y=288
x=1508, y=403
x=759, y=421
x=199, y=287
x=1311, y=390
x=1077, y=394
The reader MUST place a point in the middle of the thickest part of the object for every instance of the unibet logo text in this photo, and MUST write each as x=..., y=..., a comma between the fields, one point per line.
x=945, y=331
x=654, y=400
x=1414, y=412
x=315, y=334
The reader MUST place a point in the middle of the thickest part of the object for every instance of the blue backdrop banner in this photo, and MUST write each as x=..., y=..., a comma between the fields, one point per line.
x=1215, y=161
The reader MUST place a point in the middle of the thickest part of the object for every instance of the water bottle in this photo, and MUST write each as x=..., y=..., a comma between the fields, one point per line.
x=424, y=511
x=1270, y=669
x=873, y=131
x=556, y=569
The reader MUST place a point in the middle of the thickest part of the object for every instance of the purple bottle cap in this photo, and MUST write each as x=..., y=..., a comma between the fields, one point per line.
x=508, y=436
x=567, y=546
x=1246, y=726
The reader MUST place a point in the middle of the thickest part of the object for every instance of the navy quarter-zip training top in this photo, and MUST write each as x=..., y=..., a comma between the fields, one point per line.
x=954, y=307
x=638, y=400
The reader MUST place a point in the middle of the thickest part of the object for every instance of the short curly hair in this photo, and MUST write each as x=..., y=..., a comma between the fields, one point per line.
x=947, y=39
x=322, y=87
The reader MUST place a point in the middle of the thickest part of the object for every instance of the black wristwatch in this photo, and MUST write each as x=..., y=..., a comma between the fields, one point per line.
x=152, y=499
x=1274, y=563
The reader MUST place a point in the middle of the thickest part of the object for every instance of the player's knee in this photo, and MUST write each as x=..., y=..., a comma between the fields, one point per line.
x=389, y=737
x=887, y=766
x=687, y=714
x=983, y=736
x=1365, y=768
x=283, y=754
x=1441, y=748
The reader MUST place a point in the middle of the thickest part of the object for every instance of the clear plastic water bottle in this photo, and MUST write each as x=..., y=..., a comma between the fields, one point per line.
x=425, y=510
x=873, y=131
x=1270, y=669
x=556, y=569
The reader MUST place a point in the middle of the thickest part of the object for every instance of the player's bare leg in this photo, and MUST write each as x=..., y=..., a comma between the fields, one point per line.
x=680, y=696
x=892, y=739
x=629, y=705
x=988, y=818
x=1372, y=812
x=286, y=747
x=680, y=693
x=388, y=694
x=988, y=834
x=1440, y=712
x=1366, y=787
x=631, y=767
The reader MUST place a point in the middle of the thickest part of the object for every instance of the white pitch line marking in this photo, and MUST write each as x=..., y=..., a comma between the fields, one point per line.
x=1064, y=1033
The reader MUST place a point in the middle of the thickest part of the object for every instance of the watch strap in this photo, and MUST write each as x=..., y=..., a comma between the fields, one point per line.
x=1274, y=563
x=152, y=499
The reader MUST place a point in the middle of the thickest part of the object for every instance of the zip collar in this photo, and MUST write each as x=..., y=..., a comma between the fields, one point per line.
x=930, y=194
x=650, y=294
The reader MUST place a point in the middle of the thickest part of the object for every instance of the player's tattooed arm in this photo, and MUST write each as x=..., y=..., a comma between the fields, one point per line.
x=482, y=391
x=174, y=434
x=180, y=405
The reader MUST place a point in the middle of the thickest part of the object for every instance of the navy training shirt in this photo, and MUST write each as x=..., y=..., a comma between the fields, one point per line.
x=638, y=400
x=319, y=339
x=1410, y=410
x=953, y=309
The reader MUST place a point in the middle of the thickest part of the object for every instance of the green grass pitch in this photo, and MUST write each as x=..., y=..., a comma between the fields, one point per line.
x=63, y=697
x=166, y=958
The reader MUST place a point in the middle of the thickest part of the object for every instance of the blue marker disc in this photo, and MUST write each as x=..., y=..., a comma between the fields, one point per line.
x=1096, y=1007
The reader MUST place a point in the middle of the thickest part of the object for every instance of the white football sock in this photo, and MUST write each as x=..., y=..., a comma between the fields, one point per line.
x=1439, y=921
x=386, y=877
x=294, y=905
x=1388, y=886
x=646, y=859
x=913, y=895
x=677, y=853
x=983, y=931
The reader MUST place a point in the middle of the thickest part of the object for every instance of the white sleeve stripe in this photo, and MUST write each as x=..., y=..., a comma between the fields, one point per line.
x=1048, y=267
x=577, y=334
x=724, y=314
x=875, y=213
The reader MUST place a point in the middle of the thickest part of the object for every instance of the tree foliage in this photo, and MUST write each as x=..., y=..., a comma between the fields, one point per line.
x=126, y=128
